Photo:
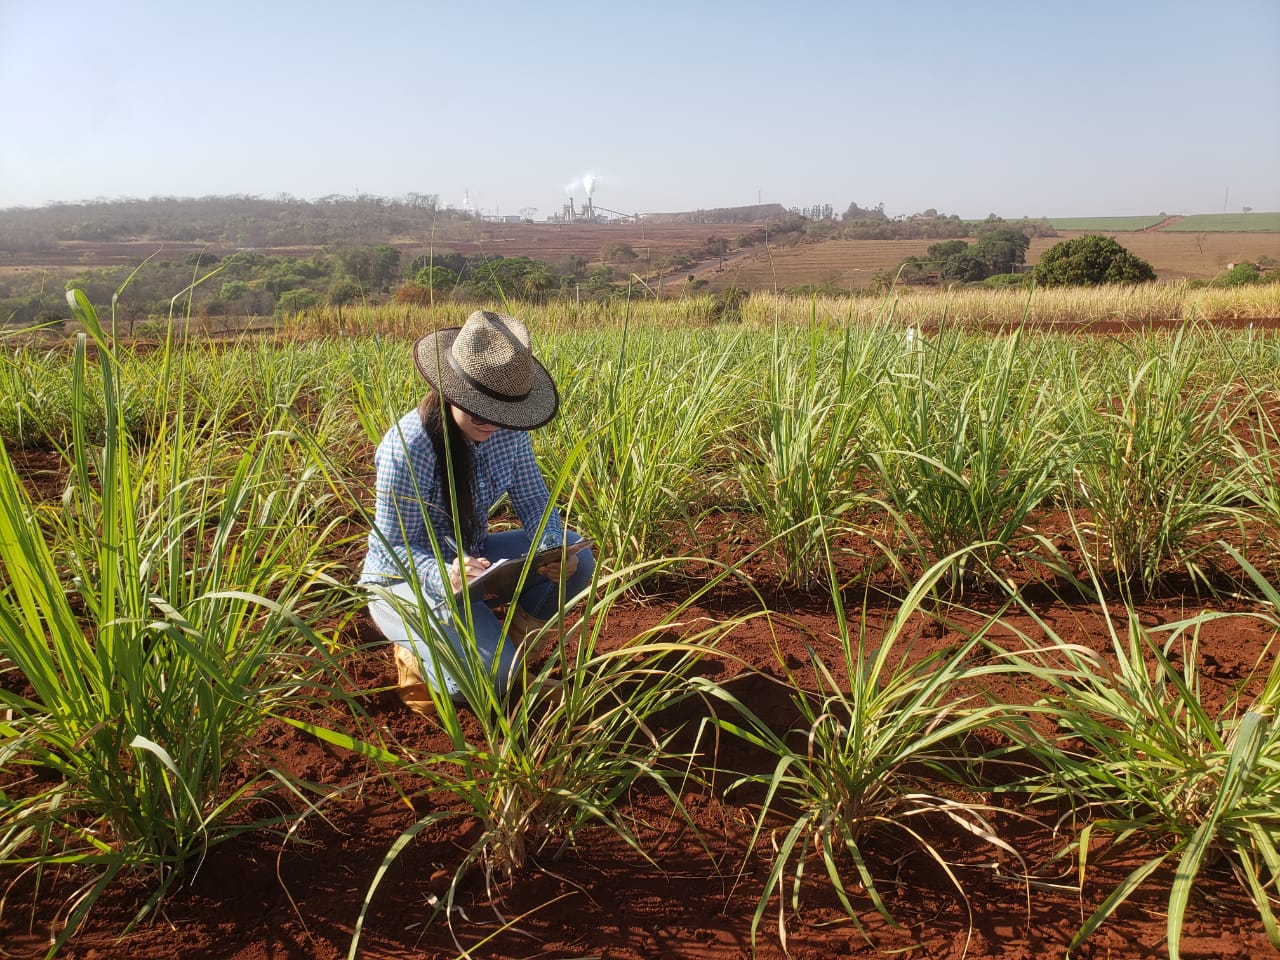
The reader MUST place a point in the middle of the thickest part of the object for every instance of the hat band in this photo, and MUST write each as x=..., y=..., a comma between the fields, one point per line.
x=476, y=384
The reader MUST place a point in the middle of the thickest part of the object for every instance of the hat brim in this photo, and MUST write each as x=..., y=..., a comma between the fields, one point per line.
x=536, y=409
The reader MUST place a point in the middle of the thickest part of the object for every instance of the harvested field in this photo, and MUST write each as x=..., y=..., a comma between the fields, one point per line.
x=841, y=264
x=1179, y=255
x=556, y=242
x=850, y=264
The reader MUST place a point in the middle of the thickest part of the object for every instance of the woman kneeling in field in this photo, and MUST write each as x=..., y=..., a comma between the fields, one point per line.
x=487, y=390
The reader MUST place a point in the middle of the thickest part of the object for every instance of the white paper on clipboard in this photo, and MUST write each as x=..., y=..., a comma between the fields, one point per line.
x=500, y=578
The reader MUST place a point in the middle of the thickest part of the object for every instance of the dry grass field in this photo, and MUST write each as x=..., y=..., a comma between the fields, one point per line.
x=850, y=264
x=1190, y=255
x=843, y=264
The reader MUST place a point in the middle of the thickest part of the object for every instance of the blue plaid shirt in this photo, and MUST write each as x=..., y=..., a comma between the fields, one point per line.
x=409, y=488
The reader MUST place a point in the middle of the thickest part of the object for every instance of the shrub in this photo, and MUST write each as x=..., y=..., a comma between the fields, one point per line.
x=726, y=304
x=295, y=301
x=1090, y=261
x=414, y=294
x=1239, y=275
x=436, y=277
x=1008, y=280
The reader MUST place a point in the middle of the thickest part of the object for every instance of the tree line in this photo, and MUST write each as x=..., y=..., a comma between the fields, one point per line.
x=353, y=262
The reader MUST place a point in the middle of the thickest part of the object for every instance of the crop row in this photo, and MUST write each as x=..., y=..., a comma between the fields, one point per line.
x=192, y=574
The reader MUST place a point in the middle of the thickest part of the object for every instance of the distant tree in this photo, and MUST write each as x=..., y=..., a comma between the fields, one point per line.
x=537, y=281
x=438, y=278
x=945, y=248
x=915, y=269
x=375, y=267
x=998, y=251
x=677, y=261
x=599, y=282
x=233, y=290
x=819, y=211
x=454, y=262
x=964, y=268
x=279, y=281
x=497, y=277
x=342, y=292
x=1002, y=249
x=201, y=259
x=296, y=301
x=424, y=201
x=714, y=246
x=855, y=212
x=1090, y=261
x=386, y=265
x=881, y=281
x=821, y=229
x=1240, y=275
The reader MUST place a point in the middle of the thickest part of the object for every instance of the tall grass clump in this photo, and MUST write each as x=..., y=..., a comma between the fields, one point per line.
x=1140, y=755
x=967, y=450
x=574, y=734
x=883, y=733
x=581, y=732
x=1256, y=445
x=651, y=406
x=150, y=618
x=801, y=450
x=1155, y=474
x=381, y=384
x=37, y=394
x=1249, y=301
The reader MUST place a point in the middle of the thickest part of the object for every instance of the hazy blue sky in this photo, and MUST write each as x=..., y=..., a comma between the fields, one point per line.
x=1081, y=108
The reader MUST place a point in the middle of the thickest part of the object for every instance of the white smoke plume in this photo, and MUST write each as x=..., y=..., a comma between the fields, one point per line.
x=587, y=182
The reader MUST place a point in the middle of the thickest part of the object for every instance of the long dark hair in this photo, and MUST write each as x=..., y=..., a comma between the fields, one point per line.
x=453, y=456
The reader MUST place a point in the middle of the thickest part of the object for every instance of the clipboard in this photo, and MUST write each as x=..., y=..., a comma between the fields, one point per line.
x=501, y=577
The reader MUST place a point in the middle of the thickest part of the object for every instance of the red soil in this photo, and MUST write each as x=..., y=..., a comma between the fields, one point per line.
x=267, y=896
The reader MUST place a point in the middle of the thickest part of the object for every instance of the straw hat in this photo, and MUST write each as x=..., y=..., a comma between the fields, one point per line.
x=487, y=368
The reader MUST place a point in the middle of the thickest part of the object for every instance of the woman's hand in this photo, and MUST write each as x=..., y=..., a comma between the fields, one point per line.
x=561, y=569
x=474, y=566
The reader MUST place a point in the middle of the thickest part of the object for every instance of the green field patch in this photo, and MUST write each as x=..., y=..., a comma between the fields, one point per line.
x=1105, y=224
x=1225, y=223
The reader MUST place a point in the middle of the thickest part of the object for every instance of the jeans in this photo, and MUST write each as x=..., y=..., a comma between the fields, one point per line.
x=540, y=598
